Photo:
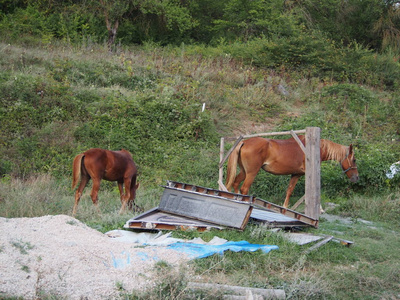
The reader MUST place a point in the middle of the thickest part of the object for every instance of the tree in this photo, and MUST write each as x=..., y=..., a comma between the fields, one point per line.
x=171, y=14
x=113, y=11
x=372, y=23
x=245, y=19
x=387, y=27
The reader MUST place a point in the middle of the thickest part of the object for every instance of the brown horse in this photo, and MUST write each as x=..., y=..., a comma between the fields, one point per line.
x=98, y=164
x=282, y=157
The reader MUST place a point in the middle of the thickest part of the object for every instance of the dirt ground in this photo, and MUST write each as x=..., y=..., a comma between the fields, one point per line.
x=59, y=255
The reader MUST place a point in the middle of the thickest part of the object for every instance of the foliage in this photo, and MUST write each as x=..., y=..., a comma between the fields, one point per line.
x=371, y=23
x=70, y=24
x=245, y=19
x=318, y=56
x=47, y=118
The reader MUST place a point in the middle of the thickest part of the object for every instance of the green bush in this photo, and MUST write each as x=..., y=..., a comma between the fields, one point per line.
x=159, y=131
x=347, y=97
x=70, y=23
x=314, y=55
x=374, y=161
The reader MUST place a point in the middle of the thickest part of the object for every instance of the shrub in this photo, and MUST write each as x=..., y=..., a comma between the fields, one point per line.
x=374, y=161
x=314, y=55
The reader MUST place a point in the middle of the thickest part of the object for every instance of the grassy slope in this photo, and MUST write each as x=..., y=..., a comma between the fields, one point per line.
x=240, y=99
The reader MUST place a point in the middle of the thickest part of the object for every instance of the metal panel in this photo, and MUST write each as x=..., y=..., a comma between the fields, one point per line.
x=201, y=206
x=285, y=211
x=302, y=219
x=274, y=219
x=155, y=219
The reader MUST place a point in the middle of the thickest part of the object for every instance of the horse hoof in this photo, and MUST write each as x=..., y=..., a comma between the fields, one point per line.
x=138, y=209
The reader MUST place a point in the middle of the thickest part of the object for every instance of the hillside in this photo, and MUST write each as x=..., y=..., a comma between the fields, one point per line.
x=58, y=100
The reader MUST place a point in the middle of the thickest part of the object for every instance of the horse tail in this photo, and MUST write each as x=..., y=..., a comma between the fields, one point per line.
x=76, y=169
x=232, y=165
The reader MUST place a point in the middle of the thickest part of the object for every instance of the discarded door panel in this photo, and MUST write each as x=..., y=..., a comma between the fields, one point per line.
x=206, y=207
x=156, y=219
x=303, y=220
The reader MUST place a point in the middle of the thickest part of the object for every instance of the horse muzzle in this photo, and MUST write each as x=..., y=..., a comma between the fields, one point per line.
x=354, y=178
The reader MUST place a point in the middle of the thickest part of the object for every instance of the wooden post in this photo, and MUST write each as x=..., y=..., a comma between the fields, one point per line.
x=313, y=172
x=221, y=167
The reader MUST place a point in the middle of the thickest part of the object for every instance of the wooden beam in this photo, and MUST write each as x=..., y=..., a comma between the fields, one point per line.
x=319, y=244
x=239, y=290
x=294, y=135
x=221, y=169
x=313, y=172
x=221, y=164
x=300, y=201
x=274, y=133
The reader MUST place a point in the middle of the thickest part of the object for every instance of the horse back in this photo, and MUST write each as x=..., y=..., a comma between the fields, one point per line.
x=280, y=157
x=109, y=165
x=120, y=164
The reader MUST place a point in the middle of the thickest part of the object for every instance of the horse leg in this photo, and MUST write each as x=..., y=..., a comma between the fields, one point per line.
x=78, y=194
x=121, y=190
x=127, y=195
x=247, y=182
x=238, y=179
x=95, y=192
x=131, y=202
x=292, y=184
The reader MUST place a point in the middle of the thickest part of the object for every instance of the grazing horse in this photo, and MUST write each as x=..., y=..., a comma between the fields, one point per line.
x=282, y=157
x=98, y=164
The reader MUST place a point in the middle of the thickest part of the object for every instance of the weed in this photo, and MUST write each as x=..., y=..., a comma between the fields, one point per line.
x=72, y=222
x=23, y=247
x=119, y=286
x=170, y=283
x=25, y=269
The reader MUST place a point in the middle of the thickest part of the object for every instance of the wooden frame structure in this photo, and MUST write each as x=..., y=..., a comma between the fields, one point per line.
x=312, y=160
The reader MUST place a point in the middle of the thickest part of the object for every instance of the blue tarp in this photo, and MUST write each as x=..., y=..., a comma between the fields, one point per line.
x=200, y=250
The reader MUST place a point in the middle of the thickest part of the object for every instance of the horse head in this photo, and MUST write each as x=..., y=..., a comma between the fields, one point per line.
x=349, y=165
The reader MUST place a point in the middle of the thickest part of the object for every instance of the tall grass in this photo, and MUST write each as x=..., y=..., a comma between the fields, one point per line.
x=45, y=195
x=36, y=196
x=366, y=270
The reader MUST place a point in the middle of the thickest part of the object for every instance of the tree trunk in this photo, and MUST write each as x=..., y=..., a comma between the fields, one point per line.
x=112, y=33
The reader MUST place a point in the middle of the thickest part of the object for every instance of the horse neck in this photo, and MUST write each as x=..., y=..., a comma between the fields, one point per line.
x=333, y=151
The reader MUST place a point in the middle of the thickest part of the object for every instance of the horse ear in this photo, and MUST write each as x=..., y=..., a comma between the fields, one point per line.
x=351, y=149
x=137, y=185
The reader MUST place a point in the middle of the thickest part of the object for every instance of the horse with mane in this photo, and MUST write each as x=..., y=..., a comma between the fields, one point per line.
x=98, y=164
x=282, y=157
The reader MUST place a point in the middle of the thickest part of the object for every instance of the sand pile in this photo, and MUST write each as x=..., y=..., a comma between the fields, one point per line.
x=61, y=256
